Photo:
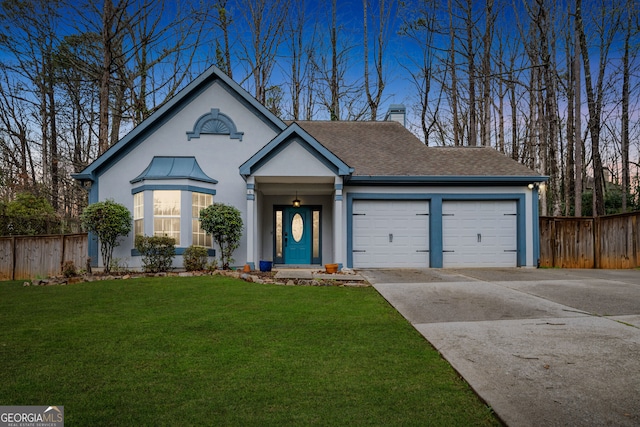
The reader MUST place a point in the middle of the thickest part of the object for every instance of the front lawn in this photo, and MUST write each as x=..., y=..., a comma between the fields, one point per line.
x=219, y=351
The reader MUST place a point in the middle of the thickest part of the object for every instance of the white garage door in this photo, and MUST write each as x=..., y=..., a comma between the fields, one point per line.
x=390, y=233
x=479, y=234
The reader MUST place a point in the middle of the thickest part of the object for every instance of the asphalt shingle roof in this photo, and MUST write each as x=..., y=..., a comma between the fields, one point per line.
x=389, y=149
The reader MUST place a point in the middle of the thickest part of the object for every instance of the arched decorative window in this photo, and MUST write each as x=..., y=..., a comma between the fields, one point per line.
x=215, y=123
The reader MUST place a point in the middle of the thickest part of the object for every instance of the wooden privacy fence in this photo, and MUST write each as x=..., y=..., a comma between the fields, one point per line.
x=611, y=241
x=28, y=257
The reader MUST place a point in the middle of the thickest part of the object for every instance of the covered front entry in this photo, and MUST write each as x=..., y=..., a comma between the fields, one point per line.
x=305, y=230
x=298, y=236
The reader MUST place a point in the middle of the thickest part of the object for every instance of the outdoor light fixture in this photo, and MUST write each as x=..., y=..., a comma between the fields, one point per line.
x=296, y=201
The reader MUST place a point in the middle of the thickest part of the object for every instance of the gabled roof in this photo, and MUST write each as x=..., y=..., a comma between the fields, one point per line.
x=173, y=168
x=171, y=107
x=292, y=133
x=389, y=151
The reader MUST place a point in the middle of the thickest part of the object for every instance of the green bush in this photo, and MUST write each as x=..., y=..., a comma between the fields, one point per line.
x=224, y=223
x=109, y=221
x=195, y=258
x=28, y=214
x=69, y=269
x=157, y=252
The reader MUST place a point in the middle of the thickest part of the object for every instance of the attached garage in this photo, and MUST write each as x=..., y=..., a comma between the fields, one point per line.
x=479, y=233
x=390, y=233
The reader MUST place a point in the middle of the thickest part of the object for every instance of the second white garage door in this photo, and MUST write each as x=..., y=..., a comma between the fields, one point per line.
x=479, y=234
x=390, y=233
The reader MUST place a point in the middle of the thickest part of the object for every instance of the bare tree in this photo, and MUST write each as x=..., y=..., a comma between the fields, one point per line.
x=630, y=29
x=579, y=152
x=341, y=97
x=223, y=22
x=265, y=21
x=470, y=54
x=420, y=25
x=607, y=26
x=385, y=17
x=18, y=165
x=454, y=77
x=487, y=40
x=301, y=37
x=31, y=47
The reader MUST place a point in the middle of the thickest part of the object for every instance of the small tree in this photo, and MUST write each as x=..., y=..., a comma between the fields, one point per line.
x=28, y=214
x=224, y=223
x=108, y=220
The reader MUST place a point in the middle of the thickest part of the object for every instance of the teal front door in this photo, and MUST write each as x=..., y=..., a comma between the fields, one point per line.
x=297, y=235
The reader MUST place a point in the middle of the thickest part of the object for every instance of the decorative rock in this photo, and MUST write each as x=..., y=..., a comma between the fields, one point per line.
x=291, y=283
x=26, y=284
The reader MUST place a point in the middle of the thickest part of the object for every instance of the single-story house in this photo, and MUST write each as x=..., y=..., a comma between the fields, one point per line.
x=357, y=194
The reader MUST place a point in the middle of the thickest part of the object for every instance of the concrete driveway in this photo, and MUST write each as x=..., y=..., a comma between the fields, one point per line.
x=543, y=347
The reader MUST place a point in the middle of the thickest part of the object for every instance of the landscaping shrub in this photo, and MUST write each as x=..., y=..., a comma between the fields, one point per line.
x=195, y=258
x=157, y=252
x=69, y=269
x=109, y=221
x=224, y=223
x=28, y=214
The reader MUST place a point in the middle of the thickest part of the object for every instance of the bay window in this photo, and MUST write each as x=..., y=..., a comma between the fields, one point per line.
x=166, y=214
x=199, y=201
x=138, y=214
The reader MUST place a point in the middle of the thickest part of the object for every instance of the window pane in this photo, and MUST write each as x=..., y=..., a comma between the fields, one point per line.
x=200, y=238
x=199, y=201
x=138, y=213
x=316, y=234
x=297, y=227
x=166, y=214
x=138, y=227
x=166, y=202
x=279, y=234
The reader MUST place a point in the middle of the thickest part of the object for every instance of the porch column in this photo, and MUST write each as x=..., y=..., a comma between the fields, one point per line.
x=251, y=216
x=338, y=237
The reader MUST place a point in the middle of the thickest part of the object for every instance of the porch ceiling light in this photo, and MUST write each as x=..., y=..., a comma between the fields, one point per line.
x=296, y=201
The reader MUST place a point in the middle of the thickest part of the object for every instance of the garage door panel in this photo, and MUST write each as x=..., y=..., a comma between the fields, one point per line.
x=390, y=233
x=479, y=234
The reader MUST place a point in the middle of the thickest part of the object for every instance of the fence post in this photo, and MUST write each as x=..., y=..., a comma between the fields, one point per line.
x=554, y=243
x=597, y=243
x=62, y=254
x=13, y=257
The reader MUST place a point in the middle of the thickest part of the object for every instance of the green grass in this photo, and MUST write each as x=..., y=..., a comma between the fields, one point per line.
x=218, y=351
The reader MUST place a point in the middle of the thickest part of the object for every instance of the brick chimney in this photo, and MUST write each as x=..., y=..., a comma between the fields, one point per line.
x=397, y=113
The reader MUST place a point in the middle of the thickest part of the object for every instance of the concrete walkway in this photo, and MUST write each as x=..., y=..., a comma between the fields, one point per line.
x=310, y=274
x=541, y=347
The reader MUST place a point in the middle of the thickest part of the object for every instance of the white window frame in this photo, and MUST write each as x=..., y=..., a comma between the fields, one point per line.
x=200, y=201
x=168, y=213
x=138, y=214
